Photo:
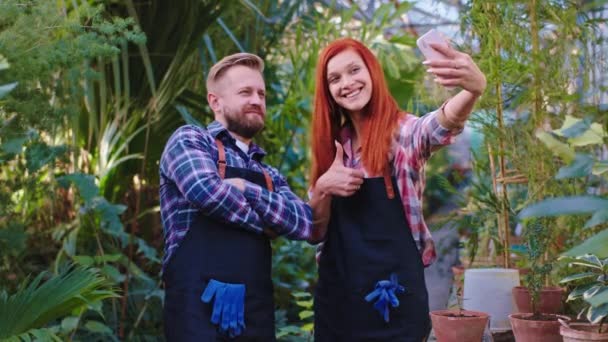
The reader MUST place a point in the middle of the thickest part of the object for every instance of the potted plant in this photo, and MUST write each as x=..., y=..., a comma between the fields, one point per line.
x=536, y=325
x=458, y=325
x=536, y=298
x=592, y=289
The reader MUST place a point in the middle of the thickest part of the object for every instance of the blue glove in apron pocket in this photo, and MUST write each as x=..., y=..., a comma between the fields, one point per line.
x=385, y=294
x=228, y=306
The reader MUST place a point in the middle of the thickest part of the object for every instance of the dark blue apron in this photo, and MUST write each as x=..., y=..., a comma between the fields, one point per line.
x=215, y=250
x=368, y=240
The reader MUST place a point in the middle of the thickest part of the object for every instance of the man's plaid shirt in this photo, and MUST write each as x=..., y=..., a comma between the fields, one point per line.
x=190, y=185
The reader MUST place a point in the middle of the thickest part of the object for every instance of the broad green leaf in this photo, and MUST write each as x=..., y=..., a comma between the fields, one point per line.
x=403, y=39
x=304, y=303
x=565, y=206
x=99, y=259
x=69, y=323
x=4, y=64
x=84, y=260
x=577, y=277
x=598, y=217
x=13, y=239
x=308, y=327
x=569, y=121
x=301, y=294
x=7, y=88
x=580, y=167
x=558, y=148
x=600, y=167
x=596, y=314
x=14, y=145
x=41, y=303
x=39, y=154
x=580, y=290
x=148, y=251
x=84, y=183
x=98, y=327
x=596, y=244
x=109, y=214
x=591, y=260
x=597, y=298
x=592, y=291
x=391, y=67
x=577, y=129
x=288, y=330
x=113, y=273
x=305, y=314
x=594, y=136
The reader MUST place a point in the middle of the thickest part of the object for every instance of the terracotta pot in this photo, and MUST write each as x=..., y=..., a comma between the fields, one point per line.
x=584, y=332
x=449, y=328
x=534, y=331
x=549, y=302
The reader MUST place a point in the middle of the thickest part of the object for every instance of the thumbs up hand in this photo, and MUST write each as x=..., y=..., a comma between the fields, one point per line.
x=340, y=180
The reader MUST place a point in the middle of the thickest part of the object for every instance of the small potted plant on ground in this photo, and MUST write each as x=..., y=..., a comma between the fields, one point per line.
x=535, y=325
x=592, y=289
x=459, y=325
x=536, y=298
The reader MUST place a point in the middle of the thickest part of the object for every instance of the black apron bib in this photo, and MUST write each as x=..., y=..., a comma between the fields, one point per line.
x=368, y=240
x=227, y=253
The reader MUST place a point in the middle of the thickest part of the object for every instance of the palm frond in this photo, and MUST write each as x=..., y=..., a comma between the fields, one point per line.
x=37, y=303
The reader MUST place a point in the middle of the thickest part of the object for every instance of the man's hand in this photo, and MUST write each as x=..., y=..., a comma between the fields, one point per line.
x=238, y=183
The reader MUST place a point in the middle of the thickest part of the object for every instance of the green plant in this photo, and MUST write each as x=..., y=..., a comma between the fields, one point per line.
x=303, y=332
x=591, y=287
x=37, y=303
x=522, y=49
x=588, y=138
x=537, y=237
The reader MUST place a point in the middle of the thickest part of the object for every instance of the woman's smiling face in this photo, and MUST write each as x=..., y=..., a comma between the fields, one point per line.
x=350, y=83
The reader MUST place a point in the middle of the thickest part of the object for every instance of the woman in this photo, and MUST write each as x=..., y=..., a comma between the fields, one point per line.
x=367, y=180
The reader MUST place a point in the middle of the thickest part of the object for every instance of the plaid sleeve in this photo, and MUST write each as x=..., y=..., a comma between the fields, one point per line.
x=421, y=136
x=187, y=161
x=281, y=210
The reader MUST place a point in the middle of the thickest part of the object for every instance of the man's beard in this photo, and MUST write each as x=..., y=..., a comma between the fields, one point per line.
x=242, y=124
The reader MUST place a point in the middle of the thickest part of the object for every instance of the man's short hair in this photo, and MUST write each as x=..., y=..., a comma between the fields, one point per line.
x=219, y=69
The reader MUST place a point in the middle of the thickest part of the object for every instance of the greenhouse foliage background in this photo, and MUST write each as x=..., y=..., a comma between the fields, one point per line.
x=90, y=91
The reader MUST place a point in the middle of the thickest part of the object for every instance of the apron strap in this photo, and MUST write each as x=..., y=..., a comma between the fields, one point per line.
x=221, y=165
x=221, y=160
x=390, y=190
x=268, y=181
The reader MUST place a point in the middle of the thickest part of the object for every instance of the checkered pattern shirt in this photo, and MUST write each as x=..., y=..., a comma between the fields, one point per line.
x=190, y=185
x=415, y=140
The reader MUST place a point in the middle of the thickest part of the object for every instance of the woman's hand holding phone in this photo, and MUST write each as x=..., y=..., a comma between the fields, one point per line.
x=451, y=68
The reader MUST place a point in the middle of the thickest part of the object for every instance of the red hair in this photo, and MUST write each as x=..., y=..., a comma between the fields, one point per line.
x=381, y=114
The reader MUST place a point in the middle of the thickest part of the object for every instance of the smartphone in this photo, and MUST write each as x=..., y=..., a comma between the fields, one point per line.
x=432, y=36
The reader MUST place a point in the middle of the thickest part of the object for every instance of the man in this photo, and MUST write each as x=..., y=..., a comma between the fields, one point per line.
x=220, y=205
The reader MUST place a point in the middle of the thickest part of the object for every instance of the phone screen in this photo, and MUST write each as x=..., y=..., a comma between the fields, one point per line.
x=432, y=36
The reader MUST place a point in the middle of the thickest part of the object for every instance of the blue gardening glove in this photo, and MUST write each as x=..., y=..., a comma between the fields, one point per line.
x=240, y=310
x=215, y=289
x=228, y=307
x=384, y=293
x=233, y=318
